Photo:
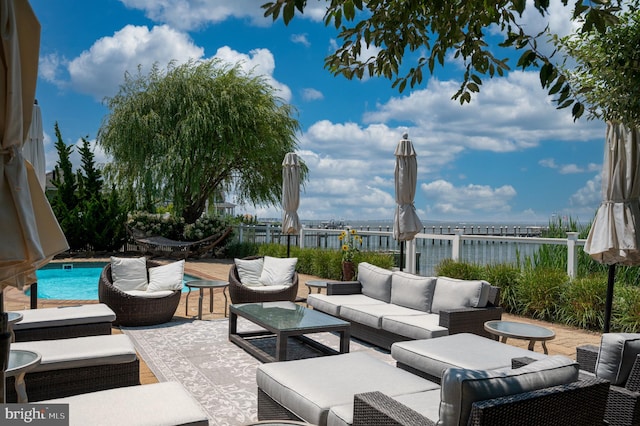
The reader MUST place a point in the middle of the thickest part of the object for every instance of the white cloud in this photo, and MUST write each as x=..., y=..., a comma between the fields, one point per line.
x=549, y=163
x=300, y=39
x=310, y=94
x=258, y=61
x=445, y=199
x=49, y=68
x=100, y=70
x=589, y=195
x=565, y=169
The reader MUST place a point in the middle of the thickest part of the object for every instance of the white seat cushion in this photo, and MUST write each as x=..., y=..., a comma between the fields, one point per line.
x=63, y=316
x=157, y=404
x=150, y=294
x=371, y=315
x=129, y=273
x=425, y=326
x=331, y=304
x=81, y=351
x=463, y=350
x=249, y=271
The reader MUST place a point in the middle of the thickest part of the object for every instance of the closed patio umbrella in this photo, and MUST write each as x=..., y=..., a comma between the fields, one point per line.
x=33, y=149
x=30, y=233
x=614, y=238
x=290, y=196
x=406, y=223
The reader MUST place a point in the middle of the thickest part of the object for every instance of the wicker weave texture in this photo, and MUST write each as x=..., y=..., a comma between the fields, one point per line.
x=242, y=294
x=132, y=310
x=41, y=385
x=63, y=332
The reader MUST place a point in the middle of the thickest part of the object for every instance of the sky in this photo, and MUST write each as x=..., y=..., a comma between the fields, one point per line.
x=509, y=156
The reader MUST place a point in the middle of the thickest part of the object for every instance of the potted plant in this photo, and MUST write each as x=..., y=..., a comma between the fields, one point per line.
x=350, y=243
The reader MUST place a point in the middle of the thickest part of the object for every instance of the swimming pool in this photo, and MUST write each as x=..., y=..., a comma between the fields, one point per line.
x=74, y=280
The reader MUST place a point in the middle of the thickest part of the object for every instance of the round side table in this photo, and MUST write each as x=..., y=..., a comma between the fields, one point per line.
x=203, y=285
x=20, y=362
x=519, y=330
x=14, y=317
x=317, y=284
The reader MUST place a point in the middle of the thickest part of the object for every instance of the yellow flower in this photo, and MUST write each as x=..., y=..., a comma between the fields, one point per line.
x=345, y=247
x=353, y=232
x=349, y=247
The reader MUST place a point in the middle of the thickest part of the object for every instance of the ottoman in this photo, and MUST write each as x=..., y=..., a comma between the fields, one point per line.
x=64, y=322
x=307, y=389
x=430, y=357
x=78, y=365
x=166, y=403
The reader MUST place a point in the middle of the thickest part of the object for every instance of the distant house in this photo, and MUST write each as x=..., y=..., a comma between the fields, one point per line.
x=224, y=209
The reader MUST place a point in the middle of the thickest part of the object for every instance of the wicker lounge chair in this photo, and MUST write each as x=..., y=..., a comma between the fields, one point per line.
x=240, y=293
x=133, y=310
x=623, y=405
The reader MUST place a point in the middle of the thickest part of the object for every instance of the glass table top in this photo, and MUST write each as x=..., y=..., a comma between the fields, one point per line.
x=19, y=359
x=519, y=329
x=286, y=315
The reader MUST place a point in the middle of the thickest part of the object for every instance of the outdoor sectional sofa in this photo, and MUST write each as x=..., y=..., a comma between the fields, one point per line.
x=385, y=307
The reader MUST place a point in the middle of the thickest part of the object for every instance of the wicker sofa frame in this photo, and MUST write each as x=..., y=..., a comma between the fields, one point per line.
x=466, y=320
x=132, y=310
x=623, y=404
x=42, y=385
x=240, y=293
x=582, y=403
x=63, y=332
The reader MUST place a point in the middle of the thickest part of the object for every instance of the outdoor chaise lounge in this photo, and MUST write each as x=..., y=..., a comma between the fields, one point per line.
x=263, y=279
x=137, y=306
x=166, y=403
x=64, y=322
x=78, y=365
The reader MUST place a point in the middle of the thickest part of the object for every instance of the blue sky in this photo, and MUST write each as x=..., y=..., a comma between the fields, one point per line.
x=509, y=156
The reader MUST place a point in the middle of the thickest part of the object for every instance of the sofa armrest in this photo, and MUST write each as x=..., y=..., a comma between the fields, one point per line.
x=587, y=355
x=343, y=287
x=376, y=408
x=469, y=320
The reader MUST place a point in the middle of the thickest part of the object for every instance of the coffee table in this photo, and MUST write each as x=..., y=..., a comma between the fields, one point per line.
x=203, y=285
x=284, y=320
x=519, y=330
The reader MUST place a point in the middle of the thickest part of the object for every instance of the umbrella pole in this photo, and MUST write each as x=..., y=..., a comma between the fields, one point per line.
x=401, y=255
x=288, y=244
x=609, y=302
x=5, y=346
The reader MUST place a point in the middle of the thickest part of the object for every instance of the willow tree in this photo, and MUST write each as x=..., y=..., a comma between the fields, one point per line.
x=183, y=133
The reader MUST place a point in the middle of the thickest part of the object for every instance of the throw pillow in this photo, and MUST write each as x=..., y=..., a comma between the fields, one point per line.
x=412, y=291
x=166, y=277
x=451, y=293
x=249, y=271
x=278, y=271
x=129, y=273
x=617, y=354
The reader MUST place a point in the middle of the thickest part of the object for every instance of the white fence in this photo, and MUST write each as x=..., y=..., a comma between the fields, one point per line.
x=427, y=249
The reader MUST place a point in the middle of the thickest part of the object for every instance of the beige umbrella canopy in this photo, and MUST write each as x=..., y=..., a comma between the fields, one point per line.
x=406, y=223
x=614, y=238
x=30, y=233
x=290, y=196
x=33, y=149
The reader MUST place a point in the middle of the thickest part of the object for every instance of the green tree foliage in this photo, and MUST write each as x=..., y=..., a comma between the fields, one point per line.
x=183, y=134
x=439, y=29
x=89, y=217
x=606, y=75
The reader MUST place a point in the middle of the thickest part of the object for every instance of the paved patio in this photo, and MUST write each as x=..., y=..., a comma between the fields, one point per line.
x=567, y=338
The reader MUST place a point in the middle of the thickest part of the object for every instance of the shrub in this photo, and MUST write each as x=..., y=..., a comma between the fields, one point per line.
x=625, y=315
x=582, y=303
x=459, y=270
x=506, y=277
x=538, y=292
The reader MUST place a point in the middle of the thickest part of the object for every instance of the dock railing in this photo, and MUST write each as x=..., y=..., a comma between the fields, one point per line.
x=426, y=250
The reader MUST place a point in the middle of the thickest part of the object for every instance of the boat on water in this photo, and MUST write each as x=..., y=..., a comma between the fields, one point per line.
x=332, y=224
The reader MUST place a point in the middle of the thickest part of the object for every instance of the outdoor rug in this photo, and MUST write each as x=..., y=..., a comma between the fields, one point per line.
x=220, y=375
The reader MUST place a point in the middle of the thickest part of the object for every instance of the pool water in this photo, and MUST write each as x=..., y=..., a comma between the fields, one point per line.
x=73, y=281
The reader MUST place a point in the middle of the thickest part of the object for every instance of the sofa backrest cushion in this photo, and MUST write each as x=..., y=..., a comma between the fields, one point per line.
x=617, y=354
x=376, y=281
x=451, y=293
x=249, y=271
x=278, y=271
x=412, y=291
x=129, y=273
x=462, y=387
